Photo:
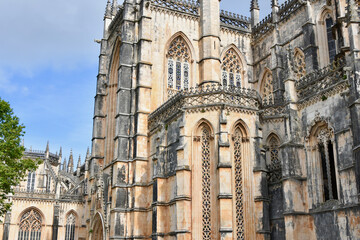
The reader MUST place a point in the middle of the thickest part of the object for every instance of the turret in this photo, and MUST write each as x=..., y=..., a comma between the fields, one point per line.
x=78, y=167
x=70, y=166
x=255, y=12
x=210, y=41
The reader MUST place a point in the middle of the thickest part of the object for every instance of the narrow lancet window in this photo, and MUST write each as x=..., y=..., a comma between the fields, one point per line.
x=206, y=186
x=239, y=205
x=330, y=39
x=31, y=181
x=267, y=88
x=326, y=152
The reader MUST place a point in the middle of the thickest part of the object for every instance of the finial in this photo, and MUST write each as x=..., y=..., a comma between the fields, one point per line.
x=87, y=158
x=274, y=3
x=254, y=5
x=79, y=161
x=47, y=146
x=64, y=165
x=114, y=8
x=60, y=152
x=70, y=166
x=108, y=9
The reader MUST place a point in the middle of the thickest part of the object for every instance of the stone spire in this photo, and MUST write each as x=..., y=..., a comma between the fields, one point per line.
x=47, y=151
x=254, y=5
x=78, y=167
x=64, y=165
x=114, y=8
x=60, y=158
x=87, y=159
x=70, y=166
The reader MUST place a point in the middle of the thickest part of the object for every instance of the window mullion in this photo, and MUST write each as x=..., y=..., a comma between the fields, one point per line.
x=328, y=170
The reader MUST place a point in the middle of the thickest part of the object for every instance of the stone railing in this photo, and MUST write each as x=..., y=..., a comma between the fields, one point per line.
x=317, y=82
x=182, y=6
x=263, y=27
x=72, y=197
x=288, y=8
x=205, y=96
x=233, y=20
x=36, y=193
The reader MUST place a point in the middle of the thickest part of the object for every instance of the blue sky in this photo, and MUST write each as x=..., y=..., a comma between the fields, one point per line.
x=49, y=62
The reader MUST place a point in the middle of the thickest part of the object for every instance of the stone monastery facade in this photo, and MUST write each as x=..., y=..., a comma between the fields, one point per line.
x=210, y=125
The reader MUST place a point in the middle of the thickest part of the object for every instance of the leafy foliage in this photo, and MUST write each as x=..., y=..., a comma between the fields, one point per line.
x=13, y=167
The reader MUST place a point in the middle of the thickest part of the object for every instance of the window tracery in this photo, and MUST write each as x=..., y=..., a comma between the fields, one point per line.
x=300, y=67
x=231, y=69
x=70, y=227
x=178, y=57
x=267, y=88
x=326, y=152
x=239, y=205
x=206, y=198
x=274, y=163
x=30, y=226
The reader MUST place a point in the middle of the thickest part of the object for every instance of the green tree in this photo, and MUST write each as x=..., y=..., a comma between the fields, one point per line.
x=13, y=167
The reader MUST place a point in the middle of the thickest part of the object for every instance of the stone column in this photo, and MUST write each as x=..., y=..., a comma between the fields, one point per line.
x=55, y=226
x=227, y=230
x=209, y=41
x=7, y=226
x=261, y=197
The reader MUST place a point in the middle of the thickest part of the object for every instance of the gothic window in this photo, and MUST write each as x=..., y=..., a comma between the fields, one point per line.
x=206, y=202
x=330, y=39
x=31, y=181
x=239, y=204
x=30, y=226
x=326, y=151
x=48, y=183
x=178, y=57
x=231, y=69
x=274, y=163
x=267, y=88
x=299, y=62
x=70, y=227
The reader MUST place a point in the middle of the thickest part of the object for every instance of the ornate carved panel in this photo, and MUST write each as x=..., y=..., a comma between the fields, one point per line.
x=239, y=204
x=206, y=197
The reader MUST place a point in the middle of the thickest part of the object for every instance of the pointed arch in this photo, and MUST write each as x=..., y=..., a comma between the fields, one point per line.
x=321, y=151
x=98, y=227
x=110, y=104
x=179, y=55
x=239, y=136
x=30, y=224
x=233, y=67
x=326, y=41
x=267, y=87
x=273, y=161
x=204, y=181
x=71, y=221
x=299, y=63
